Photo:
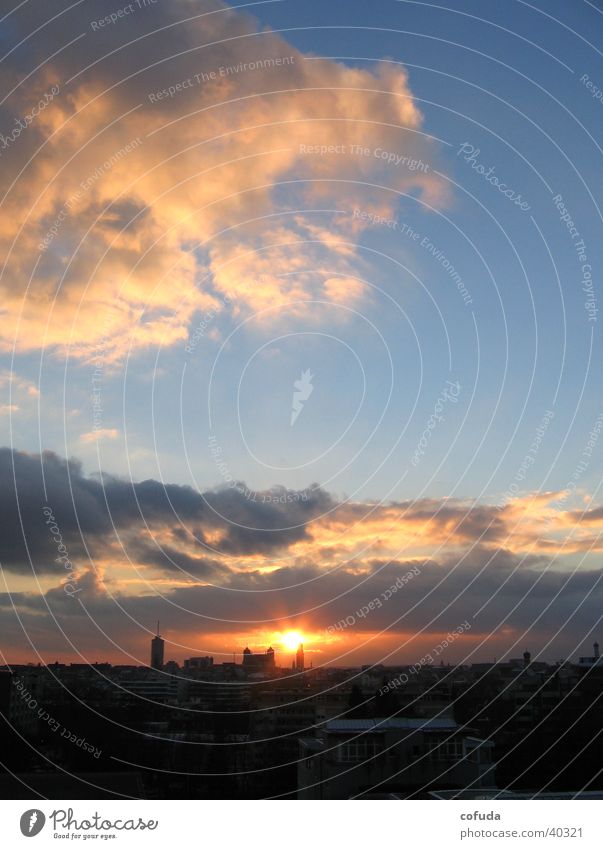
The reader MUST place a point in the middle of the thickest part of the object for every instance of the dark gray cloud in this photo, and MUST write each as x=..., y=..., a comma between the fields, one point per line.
x=92, y=514
x=505, y=599
x=503, y=594
x=172, y=560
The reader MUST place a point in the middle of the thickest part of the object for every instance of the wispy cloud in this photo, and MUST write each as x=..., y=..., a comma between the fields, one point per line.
x=166, y=203
x=101, y=433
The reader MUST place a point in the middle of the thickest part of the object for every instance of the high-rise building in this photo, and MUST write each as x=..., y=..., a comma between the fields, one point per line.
x=157, y=647
x=299, y=658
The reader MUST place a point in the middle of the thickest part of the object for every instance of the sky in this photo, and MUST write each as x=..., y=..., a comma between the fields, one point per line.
x=298, y=301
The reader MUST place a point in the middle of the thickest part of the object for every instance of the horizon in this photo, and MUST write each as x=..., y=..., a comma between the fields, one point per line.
x=438, y=660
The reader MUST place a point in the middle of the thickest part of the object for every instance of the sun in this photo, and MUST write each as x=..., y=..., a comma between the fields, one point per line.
x=291, y=639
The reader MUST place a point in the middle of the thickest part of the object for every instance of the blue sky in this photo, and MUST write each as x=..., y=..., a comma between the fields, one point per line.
x=387, y=282
x=507, y=98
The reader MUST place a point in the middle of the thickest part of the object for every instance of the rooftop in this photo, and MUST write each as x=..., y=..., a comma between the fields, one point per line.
x=349, y=726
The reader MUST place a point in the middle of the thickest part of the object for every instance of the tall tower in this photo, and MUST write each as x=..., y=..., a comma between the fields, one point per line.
x=157, y=646
x=299, y=658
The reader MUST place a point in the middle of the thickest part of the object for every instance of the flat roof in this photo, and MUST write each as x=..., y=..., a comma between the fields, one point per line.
x=398, y=722
x=495, y=793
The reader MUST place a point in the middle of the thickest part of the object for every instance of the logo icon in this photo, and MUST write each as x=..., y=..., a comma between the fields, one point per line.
x=32, y=822
x=304, y=389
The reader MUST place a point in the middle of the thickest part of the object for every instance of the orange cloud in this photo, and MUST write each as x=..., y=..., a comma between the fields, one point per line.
x=100, y=433
x=129, y=209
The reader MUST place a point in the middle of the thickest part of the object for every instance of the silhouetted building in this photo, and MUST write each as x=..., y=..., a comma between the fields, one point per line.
x=5, y=691
x=157, y=648
x=254, y=664
x=158, y=688
x=299, y=659
x=352, y=756
x=595, y=660
x=199, y=664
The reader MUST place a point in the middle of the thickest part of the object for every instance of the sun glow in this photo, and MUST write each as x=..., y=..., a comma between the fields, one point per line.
x=291, y=639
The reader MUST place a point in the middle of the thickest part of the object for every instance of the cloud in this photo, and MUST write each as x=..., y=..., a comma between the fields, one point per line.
x=95, y=516
x=18, y=396
x=146, y=207
x=112, y=554
x=509, y=603
x=100, y=433
x=224, y=560
x=232, y=530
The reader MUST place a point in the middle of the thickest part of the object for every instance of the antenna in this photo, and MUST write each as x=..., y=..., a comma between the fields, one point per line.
x=158, y=627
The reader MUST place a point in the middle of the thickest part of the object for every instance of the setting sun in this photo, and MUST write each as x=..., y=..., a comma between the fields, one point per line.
x=291, y=640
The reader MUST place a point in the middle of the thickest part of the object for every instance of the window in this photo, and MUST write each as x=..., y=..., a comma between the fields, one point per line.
x=358, y=750
x=446, y=750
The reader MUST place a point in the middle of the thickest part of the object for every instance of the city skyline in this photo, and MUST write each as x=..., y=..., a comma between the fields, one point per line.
x=159, y=662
